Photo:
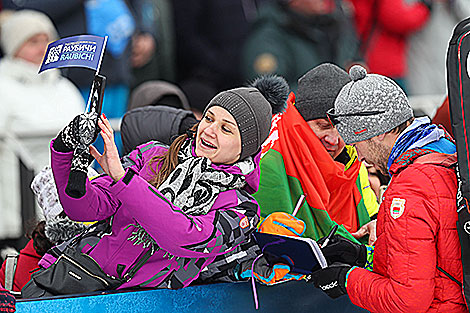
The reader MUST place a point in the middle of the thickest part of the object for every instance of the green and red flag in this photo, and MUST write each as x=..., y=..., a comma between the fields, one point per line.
x=294, y=162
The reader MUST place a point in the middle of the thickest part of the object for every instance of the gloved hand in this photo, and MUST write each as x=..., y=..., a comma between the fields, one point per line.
x=332, y=279
x=7, y=301
x=77, y=136
x=81, y=130
x=266, y=274
x=68, y=139
x=340, y=249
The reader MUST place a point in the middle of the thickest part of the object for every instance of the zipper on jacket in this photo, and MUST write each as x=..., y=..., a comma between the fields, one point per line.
x=84, y=269
x=137, y=265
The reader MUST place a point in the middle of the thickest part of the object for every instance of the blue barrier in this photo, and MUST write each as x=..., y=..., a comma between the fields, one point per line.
x=290, y=297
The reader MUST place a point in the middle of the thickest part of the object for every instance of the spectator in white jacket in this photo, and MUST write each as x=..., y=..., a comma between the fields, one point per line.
x=33, y=107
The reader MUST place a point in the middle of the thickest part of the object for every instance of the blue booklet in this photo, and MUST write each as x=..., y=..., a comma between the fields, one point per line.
x=303, y=255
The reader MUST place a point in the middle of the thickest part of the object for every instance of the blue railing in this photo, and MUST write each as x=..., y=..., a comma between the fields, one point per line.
x=289, y=297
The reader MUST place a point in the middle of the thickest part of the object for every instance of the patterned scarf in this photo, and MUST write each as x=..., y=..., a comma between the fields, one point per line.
x=194, y=184
x=417, y=135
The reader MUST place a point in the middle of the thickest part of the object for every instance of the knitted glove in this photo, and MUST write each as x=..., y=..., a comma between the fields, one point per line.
x=332, y=279
x=7, y=301
x=77, y=136
x=82, y=130
x=340, y=249
x=265, y=273
x=78, y=172
x=68, y=139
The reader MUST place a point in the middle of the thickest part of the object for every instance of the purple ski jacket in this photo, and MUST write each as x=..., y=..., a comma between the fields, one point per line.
x=187, y=244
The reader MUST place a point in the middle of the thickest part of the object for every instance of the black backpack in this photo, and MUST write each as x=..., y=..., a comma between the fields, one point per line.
x=458, y=89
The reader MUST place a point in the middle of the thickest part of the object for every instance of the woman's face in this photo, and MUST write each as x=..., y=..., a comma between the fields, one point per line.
x=33, y=49
x=218, y=137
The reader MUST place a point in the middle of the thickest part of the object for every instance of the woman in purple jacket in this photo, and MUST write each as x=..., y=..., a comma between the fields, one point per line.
x=184, y=211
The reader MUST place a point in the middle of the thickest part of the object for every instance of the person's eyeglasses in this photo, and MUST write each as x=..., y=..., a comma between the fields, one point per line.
x=333, y=118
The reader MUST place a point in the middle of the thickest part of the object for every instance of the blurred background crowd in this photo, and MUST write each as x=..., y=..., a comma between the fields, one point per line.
x=181, y=53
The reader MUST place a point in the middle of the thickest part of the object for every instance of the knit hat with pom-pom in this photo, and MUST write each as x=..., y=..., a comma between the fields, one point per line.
x=368, y=106
x=253, y=107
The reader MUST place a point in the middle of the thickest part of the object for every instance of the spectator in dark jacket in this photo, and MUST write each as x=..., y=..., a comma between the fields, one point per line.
x=291, y=37
x=160, y=122
x=158, y=92
x=209, y=36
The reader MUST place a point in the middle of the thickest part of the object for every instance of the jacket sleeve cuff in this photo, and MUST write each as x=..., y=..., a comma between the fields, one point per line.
x=118, y=186
x=347, y=275
x=369, y=258
x=59, y=146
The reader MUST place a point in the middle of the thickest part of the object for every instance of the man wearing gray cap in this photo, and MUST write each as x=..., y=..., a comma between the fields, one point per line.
x=417, y=260
x=316, y=94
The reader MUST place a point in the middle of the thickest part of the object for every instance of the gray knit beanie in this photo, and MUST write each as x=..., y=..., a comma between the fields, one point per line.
x=253, y=107
x=368, y=106
x=318, y=89
x=251, y=111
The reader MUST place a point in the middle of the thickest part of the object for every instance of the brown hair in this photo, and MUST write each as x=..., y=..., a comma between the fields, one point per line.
x=169, y=160
x=40, y=242
x=400, y=128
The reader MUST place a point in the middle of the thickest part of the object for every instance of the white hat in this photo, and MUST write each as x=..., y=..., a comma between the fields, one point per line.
x=22, y=25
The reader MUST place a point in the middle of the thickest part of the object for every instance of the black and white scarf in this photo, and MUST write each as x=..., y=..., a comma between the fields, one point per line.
x=194, y=184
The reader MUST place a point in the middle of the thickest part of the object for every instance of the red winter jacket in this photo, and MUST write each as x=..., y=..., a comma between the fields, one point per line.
x=393, y=21
x=416, y=233
x=27, y=262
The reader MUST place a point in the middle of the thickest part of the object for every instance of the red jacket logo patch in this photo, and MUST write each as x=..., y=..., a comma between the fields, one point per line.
x=397, y=208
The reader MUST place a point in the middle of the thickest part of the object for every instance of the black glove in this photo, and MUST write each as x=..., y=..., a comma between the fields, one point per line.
x=7, y=301
x=266, y=273
x=340, y=249
x=332, y=280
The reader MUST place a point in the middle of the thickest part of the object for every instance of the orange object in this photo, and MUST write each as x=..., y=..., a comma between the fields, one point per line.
x=281, y=223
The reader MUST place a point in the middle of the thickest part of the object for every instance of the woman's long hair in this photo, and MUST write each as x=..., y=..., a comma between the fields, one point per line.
x=169, y=160
x=40, y=242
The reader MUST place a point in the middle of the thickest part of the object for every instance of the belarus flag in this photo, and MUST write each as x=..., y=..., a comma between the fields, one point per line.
x=294, y=162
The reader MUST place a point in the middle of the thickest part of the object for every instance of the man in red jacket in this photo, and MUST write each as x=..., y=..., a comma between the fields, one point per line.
x=416, y=262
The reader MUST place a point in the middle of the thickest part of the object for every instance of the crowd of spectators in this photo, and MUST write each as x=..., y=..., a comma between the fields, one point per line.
x=180, y=54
